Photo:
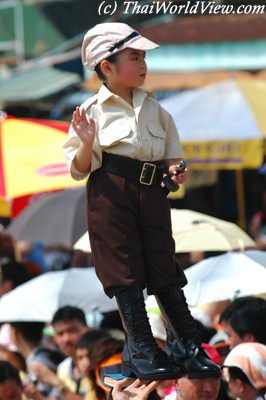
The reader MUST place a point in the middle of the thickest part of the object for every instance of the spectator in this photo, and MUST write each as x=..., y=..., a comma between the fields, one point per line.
x=14, y=357
x=70, y=324
x=10, y=382
x=7, y=246
x=246, y=371
x=31, y=252
x=12, y=274
x=84, y=347
x=257, y=226
x=196, y=389
x=244, y=320
x=11, y=387
x=105, y=357
x=27, y=336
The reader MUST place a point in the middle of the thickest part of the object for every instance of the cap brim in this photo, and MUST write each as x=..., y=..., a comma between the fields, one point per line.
x=140, y=43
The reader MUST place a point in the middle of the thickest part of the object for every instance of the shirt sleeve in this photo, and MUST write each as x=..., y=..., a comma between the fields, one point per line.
x=173, y=147
x=70, y=148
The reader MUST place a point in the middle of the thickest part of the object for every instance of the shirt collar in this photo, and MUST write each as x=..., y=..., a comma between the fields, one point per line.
x=104, y=94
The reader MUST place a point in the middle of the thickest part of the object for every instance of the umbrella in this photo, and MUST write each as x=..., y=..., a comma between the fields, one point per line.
x=31, y=157
x=54, y=218
x=83, y=243
x=193, y=231
x=39, y=298
x=222, y=126
x=224, y=277
x=259, y=256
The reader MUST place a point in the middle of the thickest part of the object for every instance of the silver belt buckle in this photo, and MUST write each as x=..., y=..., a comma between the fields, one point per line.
x=142, y=175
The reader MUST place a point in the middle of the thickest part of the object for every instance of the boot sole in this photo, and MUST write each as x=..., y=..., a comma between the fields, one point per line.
x=202, y=375
x=131, y=373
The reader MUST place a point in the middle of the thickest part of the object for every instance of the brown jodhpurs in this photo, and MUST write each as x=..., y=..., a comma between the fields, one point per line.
x=130, y=234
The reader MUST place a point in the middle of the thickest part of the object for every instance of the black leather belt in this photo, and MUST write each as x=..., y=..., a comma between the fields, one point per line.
x=145, y=172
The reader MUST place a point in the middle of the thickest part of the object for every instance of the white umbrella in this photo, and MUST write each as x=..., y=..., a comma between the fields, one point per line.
x=258, y=256
x=83, y=243
x=224, y=277
x=39, y=298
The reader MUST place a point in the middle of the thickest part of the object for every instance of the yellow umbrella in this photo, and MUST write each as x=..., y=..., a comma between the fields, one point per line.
x=5, y=208
x=222, y=126
x=31, y=157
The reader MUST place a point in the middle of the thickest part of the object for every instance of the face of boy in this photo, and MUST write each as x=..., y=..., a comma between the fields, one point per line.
x=130, y=69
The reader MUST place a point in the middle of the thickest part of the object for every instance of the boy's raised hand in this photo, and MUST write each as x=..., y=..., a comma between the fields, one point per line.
x=85, y=128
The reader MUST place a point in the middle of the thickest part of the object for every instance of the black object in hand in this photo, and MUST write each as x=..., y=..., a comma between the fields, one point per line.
x=167, y=181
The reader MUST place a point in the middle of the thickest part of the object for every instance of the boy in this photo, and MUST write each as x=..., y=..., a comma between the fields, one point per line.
x=126, y=142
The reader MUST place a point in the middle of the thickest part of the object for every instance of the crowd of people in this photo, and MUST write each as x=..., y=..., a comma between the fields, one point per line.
x=70, y=361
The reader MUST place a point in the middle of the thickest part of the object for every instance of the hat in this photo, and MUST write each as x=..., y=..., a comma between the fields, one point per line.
x=109, y=38
x=251, y=359
x=111, y=365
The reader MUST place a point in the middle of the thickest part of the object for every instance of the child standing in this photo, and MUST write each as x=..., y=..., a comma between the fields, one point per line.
x=126, y=142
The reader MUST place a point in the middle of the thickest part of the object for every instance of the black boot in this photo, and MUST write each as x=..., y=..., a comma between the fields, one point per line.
x=183, y=341
x=142, y=357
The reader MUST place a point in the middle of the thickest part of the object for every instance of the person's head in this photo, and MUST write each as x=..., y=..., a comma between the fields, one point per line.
x=115, y=50
x=198, y=389
x=10, y=382
x=207, y=388
x=85, y=346
x=30, y=333
x=14, y=357
x=244, y=320
x=12, y=274
x=7, y=246
x=105, y=357
x=69, y=324
x=245, y=370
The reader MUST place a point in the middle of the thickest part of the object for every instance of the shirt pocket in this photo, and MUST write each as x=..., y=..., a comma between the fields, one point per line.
x=156, y=130
x=112, y=135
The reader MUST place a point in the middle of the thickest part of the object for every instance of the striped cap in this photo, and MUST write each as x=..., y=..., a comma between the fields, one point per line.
x=251, y=359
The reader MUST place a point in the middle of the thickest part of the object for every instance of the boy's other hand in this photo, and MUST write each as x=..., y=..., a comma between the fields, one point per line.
x=176, y=176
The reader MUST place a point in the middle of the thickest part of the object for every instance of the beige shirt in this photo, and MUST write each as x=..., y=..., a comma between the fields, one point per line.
x=144, y=132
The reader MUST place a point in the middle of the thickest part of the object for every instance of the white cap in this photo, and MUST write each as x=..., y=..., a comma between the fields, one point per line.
x=251, y=359
x=109, y=38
